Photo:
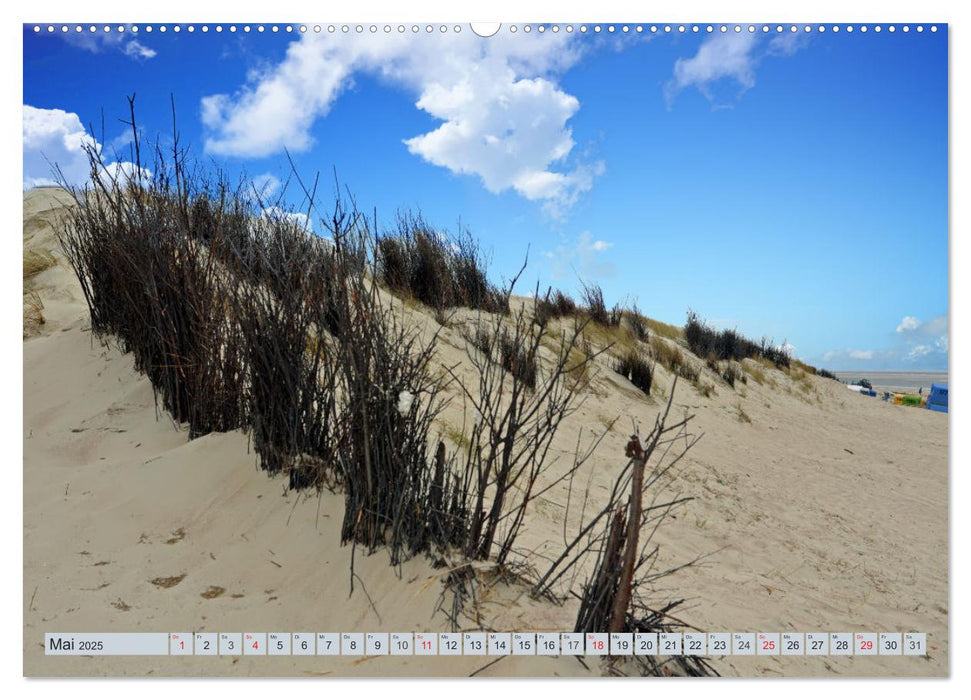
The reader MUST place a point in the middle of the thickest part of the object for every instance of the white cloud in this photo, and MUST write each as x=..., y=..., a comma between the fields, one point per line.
x=276, y=213
x=913, y=326
x=857, y=355
x=137, y=50
x=121, y=173
x=909, y=323
x=787, y=43
x=922, y=342
x=504, y=118
x=266, y=185
x=55, y=138
x=919, y=351
x=99, y=41
x=727, y=55
x=727, y=58
x=123, y=141
x=924, y=337
x=581, y=257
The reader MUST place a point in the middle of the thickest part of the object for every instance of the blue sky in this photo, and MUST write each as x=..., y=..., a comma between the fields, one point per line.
x=787, y=185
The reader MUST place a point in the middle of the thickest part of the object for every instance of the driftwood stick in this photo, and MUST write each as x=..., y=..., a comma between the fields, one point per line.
x=622, y=602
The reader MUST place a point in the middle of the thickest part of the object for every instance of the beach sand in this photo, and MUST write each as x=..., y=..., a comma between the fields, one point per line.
x=826, y=512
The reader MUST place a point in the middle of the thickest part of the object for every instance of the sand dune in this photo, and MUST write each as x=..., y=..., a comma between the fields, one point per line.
x=818, y=510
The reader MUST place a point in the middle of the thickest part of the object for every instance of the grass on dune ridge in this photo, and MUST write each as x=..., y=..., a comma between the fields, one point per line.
x=245, y=319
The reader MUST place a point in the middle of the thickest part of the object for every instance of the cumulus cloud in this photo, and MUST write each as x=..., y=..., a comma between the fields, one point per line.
x=727, y=60
x=582, y=257
x=861, y=354
x=53, y=139
x=53, y=136
x=909, y=323
x=503, y=117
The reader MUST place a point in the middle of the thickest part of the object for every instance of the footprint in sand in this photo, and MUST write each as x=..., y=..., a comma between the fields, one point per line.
x=167, y=581
x=176, y=537
x=212, y=592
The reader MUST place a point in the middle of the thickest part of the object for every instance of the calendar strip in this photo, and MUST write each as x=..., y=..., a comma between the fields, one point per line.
x=373, y=644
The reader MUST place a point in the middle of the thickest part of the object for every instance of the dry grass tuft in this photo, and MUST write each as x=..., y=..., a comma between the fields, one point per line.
x=732, y=373
x=672, y=358
x=743, y=417
x=755, y=371
x=36, y=261
x=665, y=330
x=33, y=313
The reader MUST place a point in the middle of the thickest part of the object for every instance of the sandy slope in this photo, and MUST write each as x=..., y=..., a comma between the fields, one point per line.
x=827, y=512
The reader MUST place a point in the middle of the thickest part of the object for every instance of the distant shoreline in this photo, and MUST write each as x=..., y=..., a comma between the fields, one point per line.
x=889, y=371
x=886, y=380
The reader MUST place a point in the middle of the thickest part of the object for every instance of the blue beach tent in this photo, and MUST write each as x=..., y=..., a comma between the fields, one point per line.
x=937, y=399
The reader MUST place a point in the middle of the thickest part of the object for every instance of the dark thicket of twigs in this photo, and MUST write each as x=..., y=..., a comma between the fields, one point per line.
x=441, y=272
x=517, y=416
x=243, y=318
x=395, y=494
x=705, y=341
x=149, y=282
x=291, y=392
x=637, y=367
x=596, y=308
x=555, y=305
x=638, y=325
x=500, y=346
